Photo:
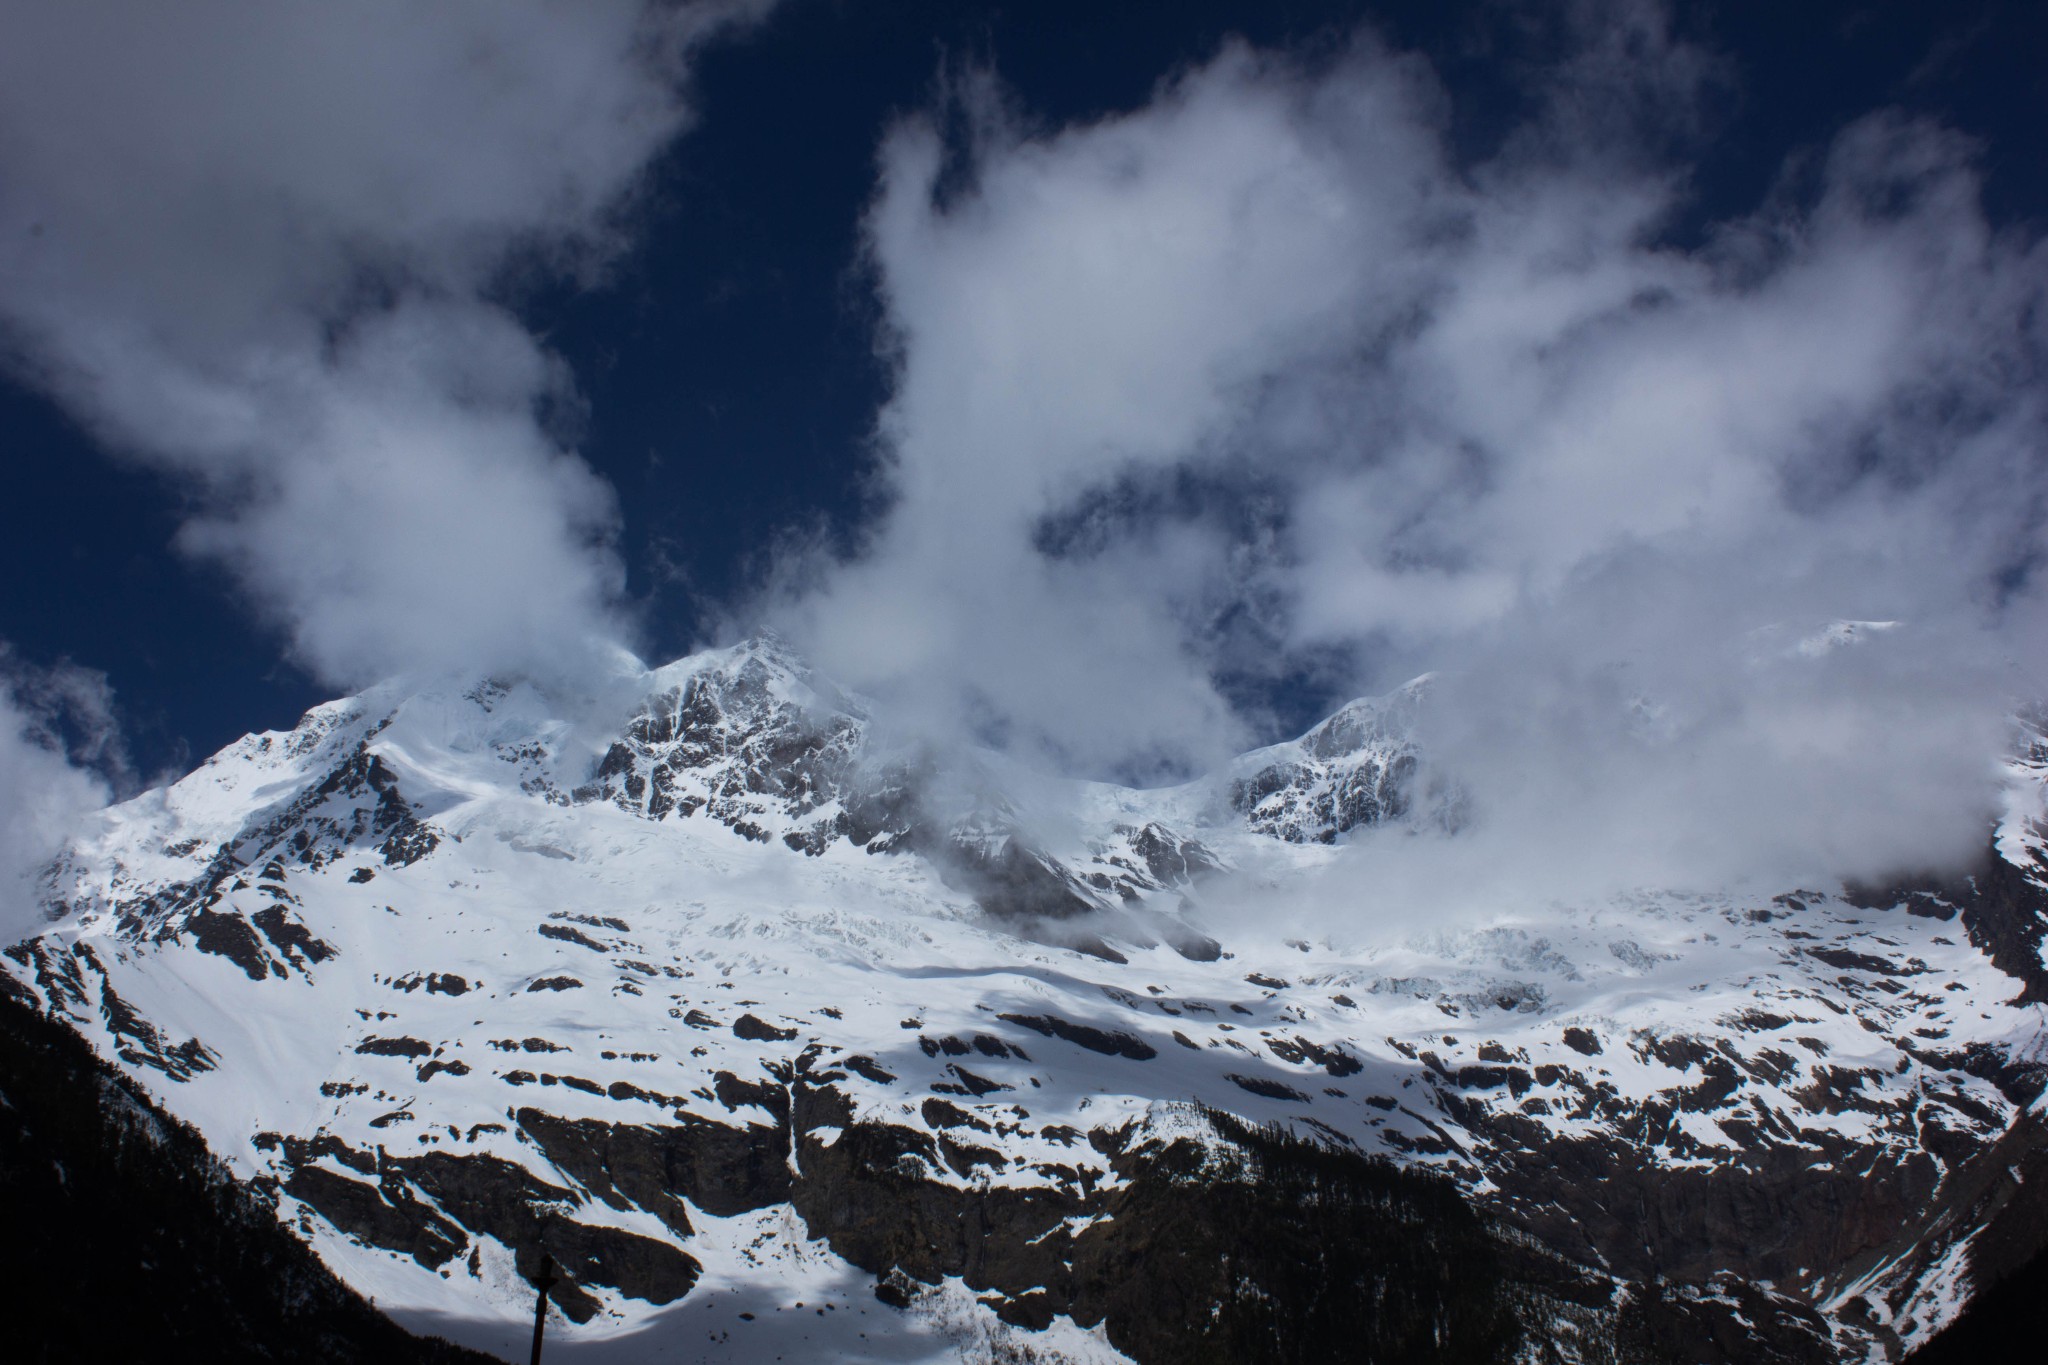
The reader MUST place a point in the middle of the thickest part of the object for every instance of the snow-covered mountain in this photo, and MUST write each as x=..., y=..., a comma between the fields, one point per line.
x=786, y=1039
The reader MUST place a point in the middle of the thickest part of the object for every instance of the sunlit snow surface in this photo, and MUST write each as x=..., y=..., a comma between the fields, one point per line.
x=666, y=932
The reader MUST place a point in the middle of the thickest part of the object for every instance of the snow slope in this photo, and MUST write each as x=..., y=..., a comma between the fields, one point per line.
x=457, y=974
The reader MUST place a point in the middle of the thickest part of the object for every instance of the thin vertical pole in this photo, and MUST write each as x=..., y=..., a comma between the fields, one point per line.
x=542, y=1282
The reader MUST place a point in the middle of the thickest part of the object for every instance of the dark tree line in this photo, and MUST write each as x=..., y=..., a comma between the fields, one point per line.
x=124, y=1239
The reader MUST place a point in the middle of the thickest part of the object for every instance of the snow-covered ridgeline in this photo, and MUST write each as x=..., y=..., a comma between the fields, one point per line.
x=430, y=933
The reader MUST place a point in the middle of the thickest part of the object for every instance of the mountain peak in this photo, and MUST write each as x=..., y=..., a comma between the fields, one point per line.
x=456, y=975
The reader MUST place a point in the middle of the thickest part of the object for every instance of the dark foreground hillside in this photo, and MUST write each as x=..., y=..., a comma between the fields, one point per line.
x=2009, y=1321
x=125, y=1241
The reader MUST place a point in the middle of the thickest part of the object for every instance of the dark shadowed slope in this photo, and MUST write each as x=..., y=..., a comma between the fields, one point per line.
x=2009, y=1321
x=126, y=1241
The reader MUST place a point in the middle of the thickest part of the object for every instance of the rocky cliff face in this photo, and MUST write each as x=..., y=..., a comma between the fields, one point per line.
x=757, y=748
x=1360, y=767
x=730, y=1006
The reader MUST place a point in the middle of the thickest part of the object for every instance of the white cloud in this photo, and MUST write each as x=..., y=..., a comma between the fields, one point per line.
x=257, y=245
x=1107, y=300
x=1260, y=372
x=60, y=758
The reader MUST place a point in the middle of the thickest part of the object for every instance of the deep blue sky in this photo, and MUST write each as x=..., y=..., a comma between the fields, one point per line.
x=728, y=362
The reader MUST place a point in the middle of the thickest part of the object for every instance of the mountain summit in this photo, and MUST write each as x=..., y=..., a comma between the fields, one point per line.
x=781, y=1036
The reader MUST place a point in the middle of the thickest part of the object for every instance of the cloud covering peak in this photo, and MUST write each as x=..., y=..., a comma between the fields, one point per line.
x=263, y=249
x=1270, y=388
x=1262, y=381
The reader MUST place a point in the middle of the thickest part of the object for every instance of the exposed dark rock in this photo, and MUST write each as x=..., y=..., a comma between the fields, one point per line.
x=735, y=1093
x=1091, y=944
x=1171, y=859
x=2020, y=1081
x=626, y=1090
x=1303, y=1254
x=527, y=1045
x=722, y=1169
x=1334, y=1060
x=760, y=1030
x=1774, y=1214
x=729, y=746
x=1727, y=1322
x=1300, y=1254
x=1193, y=946
x=568, y=935
x=362, y=1210
x=639, y=1267
x=732, y=744
x=2004, y=910
x=940, y=1114
x=394, y=1047
x=140, y=1043
x=290, y=937
x=230, y=936
x=594, y=921
x=1015, y=882
x=1108, y=1042
x=864, y=1194
x=495, y=1198
x=974, y=1085
x=1848, y=961
x=865, y=1066
x=1355, y=769
x=1272, y=1090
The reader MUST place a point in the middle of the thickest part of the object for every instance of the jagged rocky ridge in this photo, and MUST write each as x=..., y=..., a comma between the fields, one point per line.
x=757, y=749
x=727, y=1003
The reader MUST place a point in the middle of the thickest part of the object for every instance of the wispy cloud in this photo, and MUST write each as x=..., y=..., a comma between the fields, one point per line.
x=1261, y=375
x=264, y=247
x=61, y=757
